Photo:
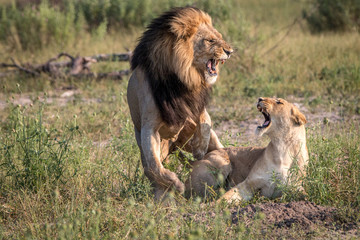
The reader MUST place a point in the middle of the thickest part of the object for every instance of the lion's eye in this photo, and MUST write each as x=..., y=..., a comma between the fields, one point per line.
x=210, y=40
x=279, y=102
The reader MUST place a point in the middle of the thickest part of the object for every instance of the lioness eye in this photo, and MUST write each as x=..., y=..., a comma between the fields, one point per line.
x=278, y=102
x=211, y=40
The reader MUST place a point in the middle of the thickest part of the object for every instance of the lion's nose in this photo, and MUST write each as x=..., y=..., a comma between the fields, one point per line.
x=228, y=52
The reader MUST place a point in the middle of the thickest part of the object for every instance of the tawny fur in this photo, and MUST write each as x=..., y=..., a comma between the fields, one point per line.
x=169, y=88
x=251, y=169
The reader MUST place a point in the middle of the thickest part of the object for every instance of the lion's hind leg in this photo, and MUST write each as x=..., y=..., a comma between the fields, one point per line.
x=205, y=139
x=207, y=175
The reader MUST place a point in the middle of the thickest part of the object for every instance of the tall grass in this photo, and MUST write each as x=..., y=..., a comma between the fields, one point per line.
x=34, y=26
x=38, y=26
x=110, y=197
x=333, y=172
x=33, y=155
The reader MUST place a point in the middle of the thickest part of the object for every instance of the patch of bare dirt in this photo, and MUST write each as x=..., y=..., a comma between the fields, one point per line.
x=303, y=215
x=61, y=98
x=293, y=220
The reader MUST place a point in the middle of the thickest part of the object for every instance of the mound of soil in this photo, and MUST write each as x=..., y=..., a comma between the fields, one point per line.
x=303, y=215
x=294, y=220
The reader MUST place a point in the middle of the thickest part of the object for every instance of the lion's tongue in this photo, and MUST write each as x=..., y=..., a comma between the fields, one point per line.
x=266, y=123
x=211, y=65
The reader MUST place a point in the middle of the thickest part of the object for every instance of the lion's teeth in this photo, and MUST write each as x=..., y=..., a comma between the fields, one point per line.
x=213, y=64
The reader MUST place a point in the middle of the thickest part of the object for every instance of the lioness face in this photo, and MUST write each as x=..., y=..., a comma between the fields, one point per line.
x=280, y=116
x=209, y=50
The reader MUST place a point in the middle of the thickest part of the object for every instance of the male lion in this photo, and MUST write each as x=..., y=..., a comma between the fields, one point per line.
x=174, y=65
x=252, y=169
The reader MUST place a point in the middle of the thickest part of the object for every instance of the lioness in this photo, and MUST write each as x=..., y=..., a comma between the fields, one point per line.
x=251, y=169
x=174, y=66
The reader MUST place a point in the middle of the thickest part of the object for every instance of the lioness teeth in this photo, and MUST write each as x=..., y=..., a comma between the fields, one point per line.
x=266, y=116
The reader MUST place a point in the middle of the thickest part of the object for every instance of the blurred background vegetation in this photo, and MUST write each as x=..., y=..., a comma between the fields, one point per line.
x=34, y=24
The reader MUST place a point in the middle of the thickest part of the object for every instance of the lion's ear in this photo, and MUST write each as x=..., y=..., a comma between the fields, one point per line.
x=183, y=29
x=297, y=117
x=186, y=23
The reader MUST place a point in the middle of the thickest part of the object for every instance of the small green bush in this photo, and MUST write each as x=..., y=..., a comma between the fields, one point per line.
x=333, y=15
x=31, y=154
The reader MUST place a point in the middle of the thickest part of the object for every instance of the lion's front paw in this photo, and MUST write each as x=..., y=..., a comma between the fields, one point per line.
x=173, y=180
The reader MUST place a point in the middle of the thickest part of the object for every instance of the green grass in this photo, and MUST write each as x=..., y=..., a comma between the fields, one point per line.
x=97, y=189
x=333, y=171
x=33, y=155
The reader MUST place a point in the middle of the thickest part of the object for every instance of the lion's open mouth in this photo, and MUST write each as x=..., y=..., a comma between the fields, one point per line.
x=211, y=66
x=266, y=116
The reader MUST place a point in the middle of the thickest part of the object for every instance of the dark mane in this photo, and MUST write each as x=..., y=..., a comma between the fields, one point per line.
x=173, y=98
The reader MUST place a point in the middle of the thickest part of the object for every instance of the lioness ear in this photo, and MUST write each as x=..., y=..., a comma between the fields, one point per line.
x=297, y=117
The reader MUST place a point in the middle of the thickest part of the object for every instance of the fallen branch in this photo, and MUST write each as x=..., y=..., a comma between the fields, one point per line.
x=113, y=75
x=75, y=66
x=114, y=57
x=15, y=65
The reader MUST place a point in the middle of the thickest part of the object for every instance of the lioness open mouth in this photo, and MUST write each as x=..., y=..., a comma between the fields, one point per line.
x=266, y=116
x=211, y=66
